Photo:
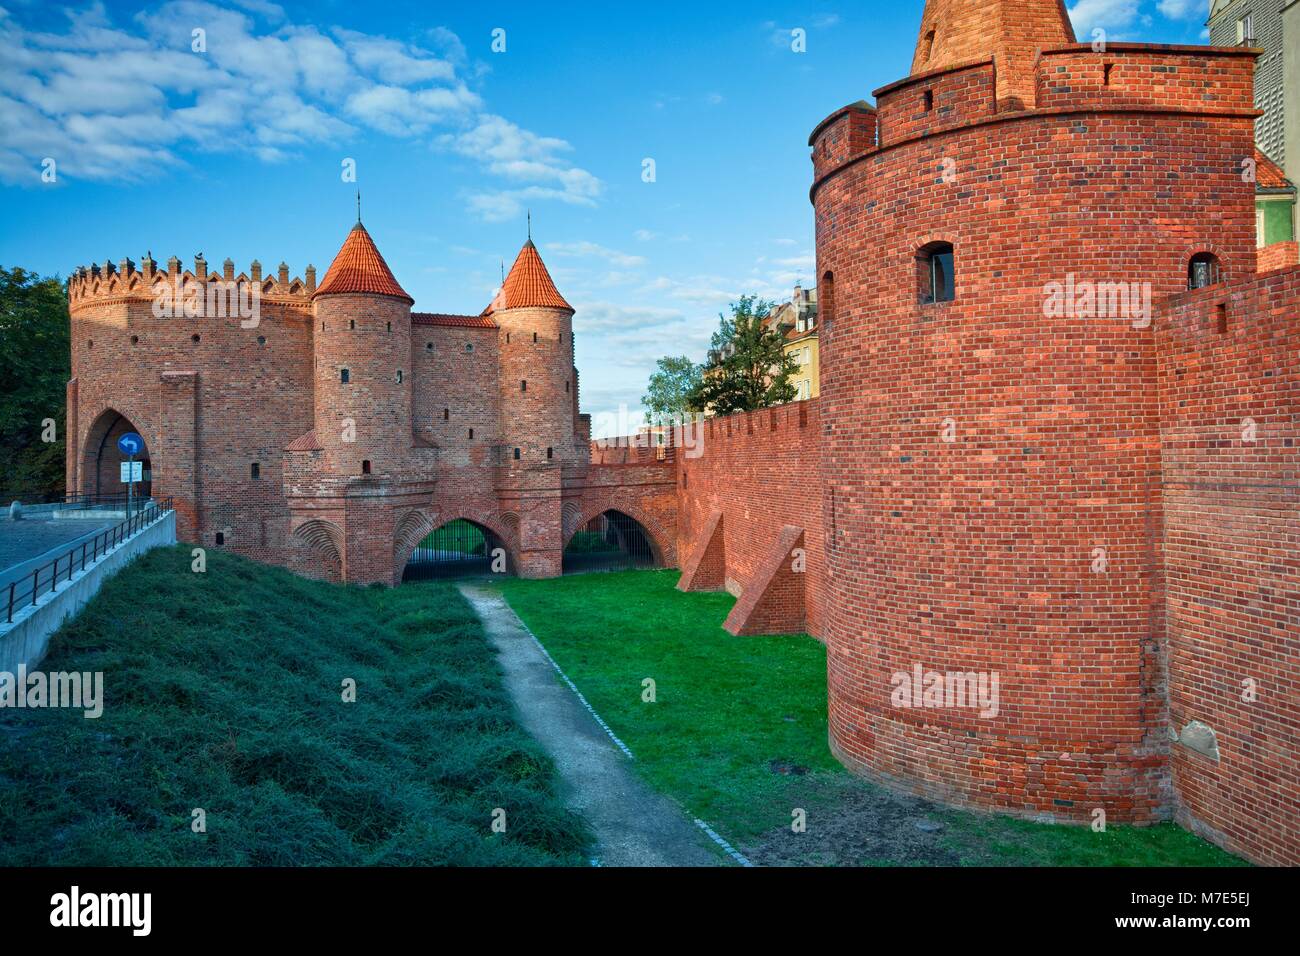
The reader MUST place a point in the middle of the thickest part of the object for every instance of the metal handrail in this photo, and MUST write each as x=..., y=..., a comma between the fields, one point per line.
x=91, y=551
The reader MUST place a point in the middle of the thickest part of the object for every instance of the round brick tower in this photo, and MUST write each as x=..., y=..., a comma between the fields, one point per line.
x=362, y=342
x=990, y=238
x=537, y=372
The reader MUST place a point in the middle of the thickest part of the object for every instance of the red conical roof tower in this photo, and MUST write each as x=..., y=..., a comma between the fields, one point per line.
x=1010, y=32
x=359, y=267
x=528, y=285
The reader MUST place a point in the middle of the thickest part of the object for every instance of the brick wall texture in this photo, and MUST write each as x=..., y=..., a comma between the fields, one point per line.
x=1047, y=530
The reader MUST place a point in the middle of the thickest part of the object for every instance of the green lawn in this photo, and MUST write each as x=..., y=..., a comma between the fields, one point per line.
x=223, y=691
x=737, y=734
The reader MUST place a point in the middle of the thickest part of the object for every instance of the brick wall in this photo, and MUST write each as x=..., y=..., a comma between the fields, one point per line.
x=1229, y=387
x=979, y=455
x=760, y=470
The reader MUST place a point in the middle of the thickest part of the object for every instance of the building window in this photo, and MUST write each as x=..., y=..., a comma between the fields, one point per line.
x=935, y=273
x=1204, y=270
x=550, y=453
x=927, y=100
x=826, y=298
x=365, y=466
x=261, y=340
x=390, y=326
x=523, y=385
x=255, y=471
x=221, y=538
x=516, y=454
x=471, y=434
x=1246, y=29
x=469, y=346
x=566, y=386
x=193, y=338
x=352, y=323
x=507, y=338
x=446, y=414
x=534, y=337
x=399, y=376
x=428, y=346
x=344, y=376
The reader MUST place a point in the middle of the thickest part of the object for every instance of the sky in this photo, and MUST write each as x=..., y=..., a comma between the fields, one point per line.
x=459, y=119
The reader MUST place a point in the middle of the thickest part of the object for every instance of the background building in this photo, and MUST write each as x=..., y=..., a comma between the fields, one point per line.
x=796, y=322
x=1274, y=27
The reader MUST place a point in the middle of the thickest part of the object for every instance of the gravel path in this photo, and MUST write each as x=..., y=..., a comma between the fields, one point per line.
x=634, y=826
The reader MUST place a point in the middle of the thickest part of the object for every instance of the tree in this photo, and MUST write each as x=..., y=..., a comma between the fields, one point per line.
x=34, y=343
x=747, y=367
x=667, y=397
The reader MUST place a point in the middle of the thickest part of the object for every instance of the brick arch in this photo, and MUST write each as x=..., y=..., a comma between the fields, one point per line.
x=321, y=542
x=413, y=526
x=1195, y=249
x=93, y=443
x=661, y=543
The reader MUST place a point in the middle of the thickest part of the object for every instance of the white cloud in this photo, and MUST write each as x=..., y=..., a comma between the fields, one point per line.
x=507, y=150
x=1108, y=15
x=584, y=250
x=1183, y=9
x=117, y=101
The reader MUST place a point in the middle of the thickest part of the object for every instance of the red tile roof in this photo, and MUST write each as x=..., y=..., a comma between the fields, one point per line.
x=360, y=268
x=1268, y=174
x=528, y=285
x=461, y=321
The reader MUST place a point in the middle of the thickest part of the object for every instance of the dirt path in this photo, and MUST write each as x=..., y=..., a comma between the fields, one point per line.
x=634, y=826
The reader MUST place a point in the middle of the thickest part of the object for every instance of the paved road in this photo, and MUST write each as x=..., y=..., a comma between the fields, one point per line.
x=32, y=537
x=634, y=826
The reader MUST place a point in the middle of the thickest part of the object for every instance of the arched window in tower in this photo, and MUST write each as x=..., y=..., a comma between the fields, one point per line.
x=1204, y=269
x=826, y=301
x=399, y=376
x=344, y=376
x=927, y=44
x=934, y=273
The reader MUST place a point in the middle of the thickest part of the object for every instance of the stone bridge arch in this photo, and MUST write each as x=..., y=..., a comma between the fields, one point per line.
x=576, y=514
x=413, y=526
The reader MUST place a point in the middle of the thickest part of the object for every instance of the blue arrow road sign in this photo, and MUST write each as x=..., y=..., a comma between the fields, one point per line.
x=130, y=444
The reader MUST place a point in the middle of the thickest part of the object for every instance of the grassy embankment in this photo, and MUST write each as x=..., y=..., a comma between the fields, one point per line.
x=223, y=691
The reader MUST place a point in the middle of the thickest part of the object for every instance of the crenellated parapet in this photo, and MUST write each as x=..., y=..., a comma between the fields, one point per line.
x=101, y=283
x=1128, y=78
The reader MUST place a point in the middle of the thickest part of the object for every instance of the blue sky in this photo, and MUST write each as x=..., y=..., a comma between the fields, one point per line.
x=238, y=150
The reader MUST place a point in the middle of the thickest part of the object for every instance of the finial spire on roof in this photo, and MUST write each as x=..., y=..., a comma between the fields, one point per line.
x=358, y=205
x=530, y=225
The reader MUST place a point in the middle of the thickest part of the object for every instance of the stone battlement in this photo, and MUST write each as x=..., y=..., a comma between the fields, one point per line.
x=108, y=282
